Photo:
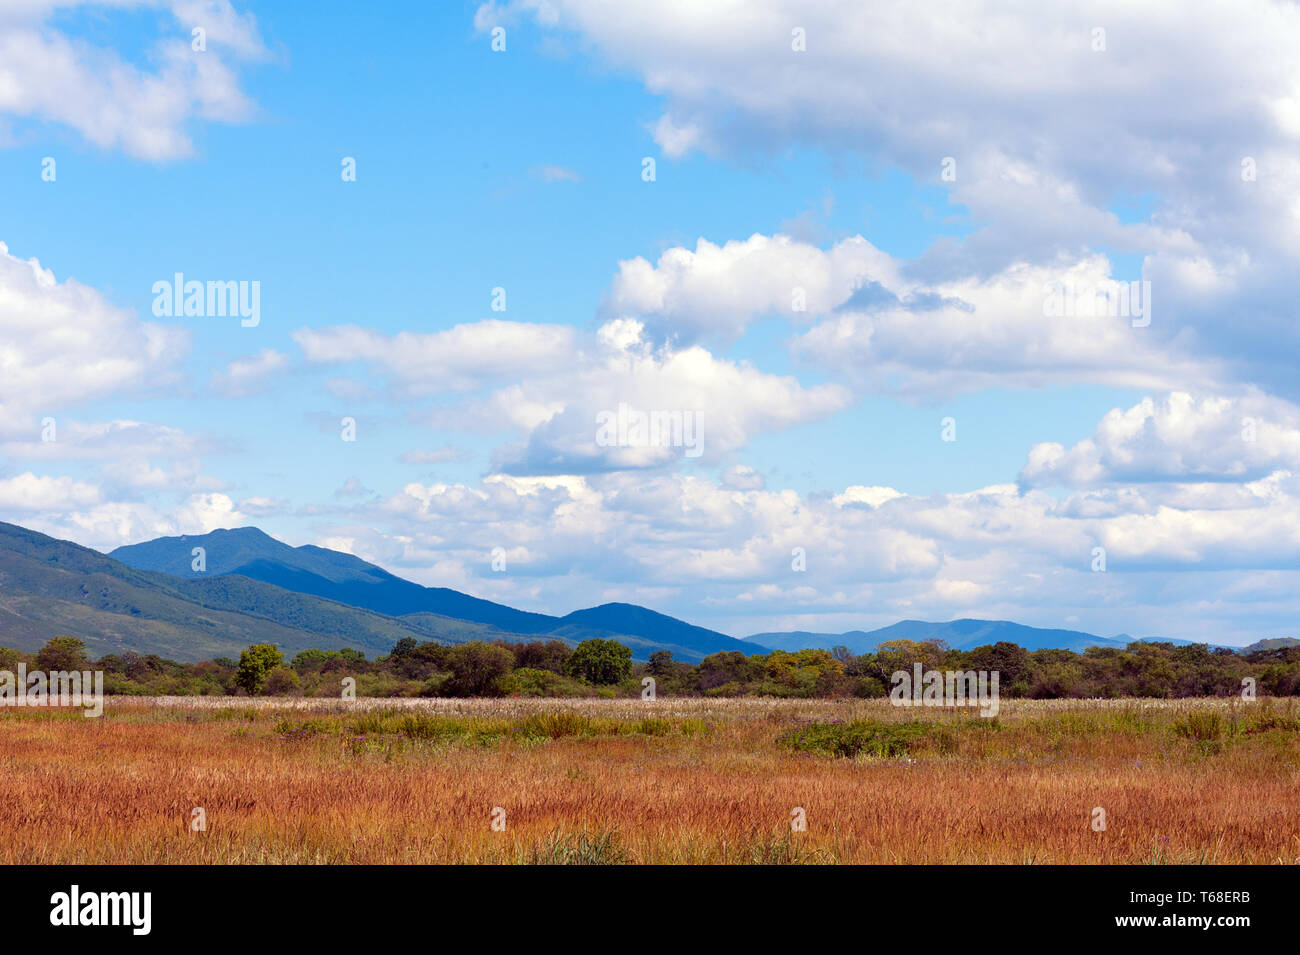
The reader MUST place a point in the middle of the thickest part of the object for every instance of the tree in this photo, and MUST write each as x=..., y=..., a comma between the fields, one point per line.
x=61, y=654
x=552, y=655
x=255, y=663
x=402, y=649
x=603, y=662
x=1010, y=660
x=281, y=681
x=661, y=663
x=476, y=668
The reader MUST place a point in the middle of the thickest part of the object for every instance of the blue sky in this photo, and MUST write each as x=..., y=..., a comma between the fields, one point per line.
x=777, y=169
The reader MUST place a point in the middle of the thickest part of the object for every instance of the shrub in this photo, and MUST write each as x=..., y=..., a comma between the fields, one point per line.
x=254, y=665
x=528, y=681
x=281, y=681
x=476, y=667
x=603, y=662
x=871, y=738
x=1200, y=725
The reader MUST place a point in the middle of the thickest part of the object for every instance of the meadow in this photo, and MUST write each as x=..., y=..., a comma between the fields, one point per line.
x=310, y=780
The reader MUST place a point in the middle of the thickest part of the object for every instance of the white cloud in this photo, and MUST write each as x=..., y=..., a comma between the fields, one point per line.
x=721, y=405
x=880, y=329
x=742, y=477
x=247, y=376
x=1178, y=438
x=1048, y=135
x=48, y=75
x=722, y=556
x=77, y=511
x=716, y=291
x=62, y=343
x=566, y=382
x=29, y=492
x=457, y=359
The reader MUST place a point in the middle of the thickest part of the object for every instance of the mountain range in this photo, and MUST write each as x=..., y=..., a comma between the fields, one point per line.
x=958, y=634
x=255, y=589
x=252, y=588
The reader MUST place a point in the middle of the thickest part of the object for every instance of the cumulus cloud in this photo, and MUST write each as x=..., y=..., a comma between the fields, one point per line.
x=1028, y=325
x=62, y=343
x=567, y=385
x=872, y=554
x=1177, y=438
x=1044, y=125
x=51, y=76
x=72, y=510
x=717, y=290
x=248, y=376
x=706, y=407
x=30, y=492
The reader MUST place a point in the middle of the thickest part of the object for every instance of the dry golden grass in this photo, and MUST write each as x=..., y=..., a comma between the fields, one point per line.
x=711, y=781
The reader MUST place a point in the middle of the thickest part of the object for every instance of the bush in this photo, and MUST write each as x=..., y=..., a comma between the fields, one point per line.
x=871, y=738
x=603, y=662
x=476, y=669
x=527, y=681
x=281, y=681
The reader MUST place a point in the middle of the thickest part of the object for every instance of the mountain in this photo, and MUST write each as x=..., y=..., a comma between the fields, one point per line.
x=446, y=614
x=252, y=553
x=958, y=634
x=50, y=587
x=635, y=621
x=255, y=589
x=1272, y=643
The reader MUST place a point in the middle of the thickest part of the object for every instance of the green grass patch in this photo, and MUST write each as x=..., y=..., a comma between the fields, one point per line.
x=881, y=739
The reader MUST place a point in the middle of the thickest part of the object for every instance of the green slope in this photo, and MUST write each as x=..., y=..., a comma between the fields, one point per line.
x=49, y=587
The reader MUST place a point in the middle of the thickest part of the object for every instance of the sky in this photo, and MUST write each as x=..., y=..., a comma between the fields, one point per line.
x=963, y=309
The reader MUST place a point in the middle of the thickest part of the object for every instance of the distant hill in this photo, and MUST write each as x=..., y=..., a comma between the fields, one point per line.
x=637, y=621
x=146, y=597
x=50, y=587
x=1272, y=643
x=958, y=634
x=323, y=573
x=446, y=614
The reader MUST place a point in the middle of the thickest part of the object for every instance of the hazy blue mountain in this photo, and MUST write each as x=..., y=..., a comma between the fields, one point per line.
x=446, y=614
x=256, y=589
x=50, y=587
x=637, y=621
x=323, y=573
x=958, y=634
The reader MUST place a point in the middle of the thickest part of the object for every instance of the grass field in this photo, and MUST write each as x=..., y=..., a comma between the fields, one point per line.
x=712, y=781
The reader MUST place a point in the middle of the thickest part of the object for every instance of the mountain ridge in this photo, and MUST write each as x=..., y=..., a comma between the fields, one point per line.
x=961, y=634
x=148, y=597
x=334, y=575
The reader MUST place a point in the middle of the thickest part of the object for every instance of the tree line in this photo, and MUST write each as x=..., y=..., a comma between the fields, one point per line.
x=600, y=667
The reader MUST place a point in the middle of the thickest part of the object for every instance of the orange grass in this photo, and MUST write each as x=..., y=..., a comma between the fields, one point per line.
x=693, y=781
